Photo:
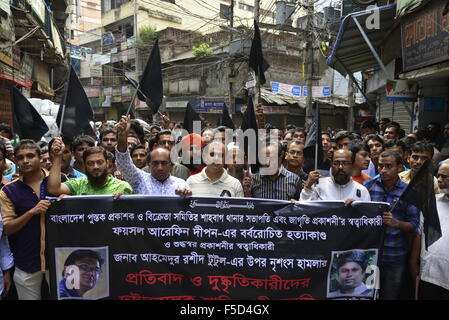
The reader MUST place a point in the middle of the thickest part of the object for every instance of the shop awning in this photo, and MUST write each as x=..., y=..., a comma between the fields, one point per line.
x=356, y=46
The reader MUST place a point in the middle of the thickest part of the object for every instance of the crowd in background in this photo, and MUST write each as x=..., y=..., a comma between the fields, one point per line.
x=374, y=163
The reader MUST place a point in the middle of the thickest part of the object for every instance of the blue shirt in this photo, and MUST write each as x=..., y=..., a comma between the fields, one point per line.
x=74, y=174
x=395, y=244
x=63, y=292
x=6, y=258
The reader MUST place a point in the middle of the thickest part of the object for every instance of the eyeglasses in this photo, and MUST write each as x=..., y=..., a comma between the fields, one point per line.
x=88, y=268
x=341, y=163
x=296, y=153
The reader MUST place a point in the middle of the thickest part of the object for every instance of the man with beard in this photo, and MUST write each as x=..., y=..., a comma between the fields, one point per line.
x=66, y=168
x=339, y=186
x=434, y=285
x=401, y=223
x=89, y=264
x=98, y=180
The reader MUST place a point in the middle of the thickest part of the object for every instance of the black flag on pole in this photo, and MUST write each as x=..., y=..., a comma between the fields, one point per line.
x=151, y=81
x=77, y=110
x=256, y=59
x=225, y=119
x=250, y=122
x=190, y=116
x=27, y=122
x=314, y=141
x=420, y=193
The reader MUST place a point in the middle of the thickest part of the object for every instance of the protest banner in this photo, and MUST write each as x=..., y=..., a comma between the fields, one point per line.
x=186, y=248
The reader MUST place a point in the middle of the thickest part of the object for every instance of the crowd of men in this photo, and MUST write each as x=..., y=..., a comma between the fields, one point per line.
x=376, y=163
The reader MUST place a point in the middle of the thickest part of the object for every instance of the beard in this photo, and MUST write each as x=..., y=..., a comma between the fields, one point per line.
x=341, y=177
x=99, y=180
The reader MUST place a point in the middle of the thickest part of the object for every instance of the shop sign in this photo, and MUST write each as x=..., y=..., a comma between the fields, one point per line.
x=424, y=36
x=401, y=90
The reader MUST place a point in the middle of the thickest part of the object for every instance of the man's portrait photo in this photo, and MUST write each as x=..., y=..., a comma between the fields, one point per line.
x=348, y=273
x=83, y=273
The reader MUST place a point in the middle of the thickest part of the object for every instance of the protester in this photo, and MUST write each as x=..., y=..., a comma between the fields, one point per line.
x=294, y=158
x=339, y=186
x=392, y=131
x=361, y=162
x=214, y=180
x=79, y=145
x=369, y=127
x=6, y=263
x=108, y=139
x=23, y=204
x=98, y=180
x=159, y=182
x=398, y=146
x=420, y=152
x=273, y=181
x=207, y=135
x=236, y=164
x=66, y=160
x=376, y=146
x=138, y=156
x=403, y=221
x=164, y=139
x=190, y=149
x=424, y=262
x=343, y=139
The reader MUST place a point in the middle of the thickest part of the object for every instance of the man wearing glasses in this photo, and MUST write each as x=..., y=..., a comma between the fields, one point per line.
x=339, y=186
x=294, y=158
x=87, y=264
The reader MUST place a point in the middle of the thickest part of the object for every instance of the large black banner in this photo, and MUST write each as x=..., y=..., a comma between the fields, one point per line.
x=174, y=248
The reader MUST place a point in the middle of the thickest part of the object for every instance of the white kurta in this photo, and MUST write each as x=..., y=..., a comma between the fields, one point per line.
x=435, y=261
x=327, y=189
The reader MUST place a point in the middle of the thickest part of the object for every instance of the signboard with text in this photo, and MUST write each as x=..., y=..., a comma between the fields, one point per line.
x=424, y=36
x=198, y=248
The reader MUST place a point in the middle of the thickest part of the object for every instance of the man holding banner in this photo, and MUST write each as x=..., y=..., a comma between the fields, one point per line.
x=98, y=180
x=401, y=222
x=339, y=186
x=159, y=182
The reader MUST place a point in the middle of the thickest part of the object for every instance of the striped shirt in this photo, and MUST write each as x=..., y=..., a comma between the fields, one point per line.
x=395, y=244
x=286, y=186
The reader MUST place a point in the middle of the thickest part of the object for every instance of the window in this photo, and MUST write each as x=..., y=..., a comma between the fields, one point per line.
x=246, y=7
x=225, y=11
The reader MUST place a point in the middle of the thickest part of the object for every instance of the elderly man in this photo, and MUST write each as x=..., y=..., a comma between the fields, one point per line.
x=159, y=182
x=214, y=180
x=431, y=266
x=339, y=186
x=274, y=181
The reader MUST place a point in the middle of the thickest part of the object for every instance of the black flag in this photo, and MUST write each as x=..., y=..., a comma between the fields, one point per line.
x=420, y=193
x=256, y=59
x=77, y=110
x=249, y=122
x=150, y=83
x=225, y=119
x=28, y=123
x=190, y=116
x=313, y=141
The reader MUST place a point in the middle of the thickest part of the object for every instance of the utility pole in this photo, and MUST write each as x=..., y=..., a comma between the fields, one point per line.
x=256, y=18
x=350, y=123
x=231, y=63
x=309, y=47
